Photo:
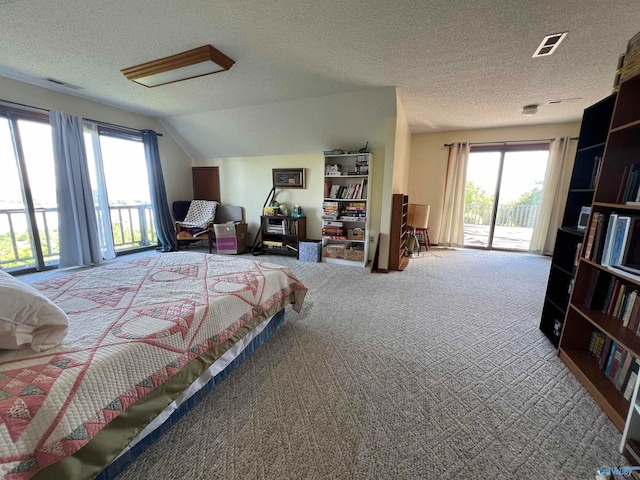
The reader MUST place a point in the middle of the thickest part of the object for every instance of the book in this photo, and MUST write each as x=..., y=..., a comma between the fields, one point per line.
x=591, y=287
x=628, y=307
x=608, y=242
x=622, y=371
x=598, y=243
x=623, y=183
x=613, y=360
x=592, y=343
x=634, y=317
x=606, y=349
x=620, y=234
x=611, y=307
x=629, y=381
x=609, y=294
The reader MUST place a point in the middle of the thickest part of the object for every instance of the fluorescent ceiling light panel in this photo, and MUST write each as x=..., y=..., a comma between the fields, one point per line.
x=194, y=63
x=549, y=44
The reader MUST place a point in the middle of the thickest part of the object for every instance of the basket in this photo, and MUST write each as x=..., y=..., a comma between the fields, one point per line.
x=354, y=255
x=355, y=234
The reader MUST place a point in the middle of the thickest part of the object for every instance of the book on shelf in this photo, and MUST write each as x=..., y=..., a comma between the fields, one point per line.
x=608, y=244
x=630, y=379
x=631, y=191
x=591, y=235
x=606, y=349
x=598, y=243
x=622, y=370
x=595, y=172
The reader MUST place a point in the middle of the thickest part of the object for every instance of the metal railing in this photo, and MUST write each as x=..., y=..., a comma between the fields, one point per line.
x=132, y=226
x=508, y=215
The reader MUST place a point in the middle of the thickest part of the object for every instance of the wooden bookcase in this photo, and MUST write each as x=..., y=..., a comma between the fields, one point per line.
x=282, y=234
x=399, y=232
x=593, y=280
x=345, y=209
x=569, y=238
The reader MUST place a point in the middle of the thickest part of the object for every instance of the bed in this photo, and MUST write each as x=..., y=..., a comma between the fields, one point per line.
x=147, y=338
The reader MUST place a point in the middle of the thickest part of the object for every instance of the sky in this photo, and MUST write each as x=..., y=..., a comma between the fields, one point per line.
x=124, y=165
x=520, y=173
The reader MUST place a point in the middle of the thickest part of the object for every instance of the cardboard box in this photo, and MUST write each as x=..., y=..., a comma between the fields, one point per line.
x=231, y=238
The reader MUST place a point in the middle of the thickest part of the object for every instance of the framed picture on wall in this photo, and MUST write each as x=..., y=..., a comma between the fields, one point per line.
x=288, y=178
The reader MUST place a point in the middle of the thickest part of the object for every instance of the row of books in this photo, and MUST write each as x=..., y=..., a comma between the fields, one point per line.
x=281, y=226
x=612, y=296
x=355, y=191
x=620, y=366
x=334, y=230
x=614, y=240
x=629, y=191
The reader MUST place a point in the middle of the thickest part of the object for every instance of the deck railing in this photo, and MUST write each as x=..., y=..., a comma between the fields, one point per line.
x=132, y=226
x=508, y=215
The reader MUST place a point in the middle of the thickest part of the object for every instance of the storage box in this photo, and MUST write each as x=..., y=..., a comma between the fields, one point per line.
x=333, y=251
x=354, y=255
x=310, y=250
x=355, y=234
x=231, y=238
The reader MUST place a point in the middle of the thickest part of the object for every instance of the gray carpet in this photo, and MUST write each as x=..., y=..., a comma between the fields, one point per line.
x=437, y=371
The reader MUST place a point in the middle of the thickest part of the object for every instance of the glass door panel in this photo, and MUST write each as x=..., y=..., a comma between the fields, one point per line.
x=16, y=246
x=480, y=188
x=127, y=182
x=37, y=148
x=519, y=198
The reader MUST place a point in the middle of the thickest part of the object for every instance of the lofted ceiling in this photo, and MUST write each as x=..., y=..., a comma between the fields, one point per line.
x=456, y=64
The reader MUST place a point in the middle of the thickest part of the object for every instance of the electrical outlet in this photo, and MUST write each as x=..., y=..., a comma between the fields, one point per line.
x=370, y=238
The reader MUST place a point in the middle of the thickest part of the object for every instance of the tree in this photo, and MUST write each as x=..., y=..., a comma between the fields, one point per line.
x=532, y=197
x=476, y=194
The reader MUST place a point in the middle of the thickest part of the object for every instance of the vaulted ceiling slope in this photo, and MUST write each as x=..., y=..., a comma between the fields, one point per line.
x=456, y=64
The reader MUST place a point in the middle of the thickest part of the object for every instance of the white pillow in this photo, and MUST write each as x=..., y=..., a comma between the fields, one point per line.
x=27, y=317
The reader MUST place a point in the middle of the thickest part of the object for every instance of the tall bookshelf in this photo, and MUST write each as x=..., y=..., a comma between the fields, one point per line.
x=591, y=310
x=569, y=239
x=345, y=209
x=399, y=231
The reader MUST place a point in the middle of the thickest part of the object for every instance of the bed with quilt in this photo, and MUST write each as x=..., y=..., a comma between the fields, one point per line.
x=145, y=339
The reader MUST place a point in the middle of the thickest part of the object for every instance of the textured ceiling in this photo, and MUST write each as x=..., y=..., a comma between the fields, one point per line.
x=456, y=64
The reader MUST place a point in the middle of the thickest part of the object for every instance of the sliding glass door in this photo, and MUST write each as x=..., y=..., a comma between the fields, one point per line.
x=503, y=191
x=28, y=205
x=28, y=202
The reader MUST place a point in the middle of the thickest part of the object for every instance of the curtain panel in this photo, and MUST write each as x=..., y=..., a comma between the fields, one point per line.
x=77, y=225
x=161, y=214
x=452, y=219
x=554, y=195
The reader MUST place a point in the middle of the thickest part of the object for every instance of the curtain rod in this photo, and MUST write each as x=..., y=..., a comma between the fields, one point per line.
x=540, y=140
x=87, y=119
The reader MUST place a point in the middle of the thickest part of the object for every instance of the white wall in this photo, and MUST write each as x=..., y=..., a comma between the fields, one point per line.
x=294, y=135
x=299, y=127
x=176, y=165
x=428, y=166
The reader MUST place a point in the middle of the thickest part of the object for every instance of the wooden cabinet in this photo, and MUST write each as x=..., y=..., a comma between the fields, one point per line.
x=281, y=234
x=399, y=232
x=569, y=239
x=345, y=209
x=596, y=313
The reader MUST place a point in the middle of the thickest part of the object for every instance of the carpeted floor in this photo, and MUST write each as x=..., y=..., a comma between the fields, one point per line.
x=439, y=371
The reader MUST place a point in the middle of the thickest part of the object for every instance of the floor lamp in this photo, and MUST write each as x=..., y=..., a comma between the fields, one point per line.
x=418, y=219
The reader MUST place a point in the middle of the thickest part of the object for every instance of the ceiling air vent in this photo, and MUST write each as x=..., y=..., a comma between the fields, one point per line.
x=549, y=44
x=63, y=84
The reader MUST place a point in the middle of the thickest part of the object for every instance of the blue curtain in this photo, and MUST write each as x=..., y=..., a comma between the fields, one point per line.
x=161, y=215
x=77, y=224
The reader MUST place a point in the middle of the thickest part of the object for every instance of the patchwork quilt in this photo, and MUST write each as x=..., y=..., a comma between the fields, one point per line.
x=133, y=325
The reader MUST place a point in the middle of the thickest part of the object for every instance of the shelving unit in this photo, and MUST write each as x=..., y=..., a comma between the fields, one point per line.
x=345, y=220
x=587, y=311
x=281, y=234
x=399, y=232
x=569, y=238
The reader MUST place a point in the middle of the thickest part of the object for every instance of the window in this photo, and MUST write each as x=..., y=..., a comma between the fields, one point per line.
x=28, y=204
x=502, y=195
